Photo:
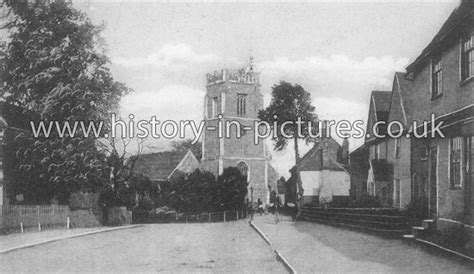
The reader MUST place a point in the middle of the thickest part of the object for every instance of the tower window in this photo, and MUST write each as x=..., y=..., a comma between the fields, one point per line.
x=214, y=107
x=241, y=104
x=467, y=57
x=437, y=78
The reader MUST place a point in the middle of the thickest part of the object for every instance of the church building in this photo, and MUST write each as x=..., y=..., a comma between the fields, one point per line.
x=234, y=97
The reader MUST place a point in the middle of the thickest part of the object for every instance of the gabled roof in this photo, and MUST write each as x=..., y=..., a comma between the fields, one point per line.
x=378, y=110
x=313, y=159
x=381, y=100
x=462, y=15
x=401, y=101
x=160, y=166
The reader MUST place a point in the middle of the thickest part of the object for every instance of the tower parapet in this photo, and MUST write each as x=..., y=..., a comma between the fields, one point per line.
x=246, y=75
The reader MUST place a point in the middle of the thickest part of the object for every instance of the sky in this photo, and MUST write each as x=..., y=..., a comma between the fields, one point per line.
x=338, y=51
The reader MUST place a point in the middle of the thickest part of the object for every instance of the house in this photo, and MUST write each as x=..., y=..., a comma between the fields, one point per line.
x=442, y=79
x=399, y=146
x=322, y=172
x=379, y=174
x=359, y=167
x=160, y=167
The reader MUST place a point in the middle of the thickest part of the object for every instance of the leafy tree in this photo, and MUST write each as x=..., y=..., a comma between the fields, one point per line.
x=201, y=192
x=290, y=103
x=232, y=189
x=55, y=67
x=193, y=193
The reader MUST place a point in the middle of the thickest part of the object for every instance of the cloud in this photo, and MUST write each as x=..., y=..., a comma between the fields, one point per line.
x=334, y=76
x=171, y=56
x=170, y=102
x=175, y=102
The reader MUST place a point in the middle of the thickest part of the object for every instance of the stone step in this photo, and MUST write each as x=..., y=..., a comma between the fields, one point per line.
x=427, y=224
x=418, y=231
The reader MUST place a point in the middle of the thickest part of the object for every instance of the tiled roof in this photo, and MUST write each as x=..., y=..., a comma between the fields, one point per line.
x=381, y=100
x=159, y=166
x=405, y=91
x=313, y=159
x=463, y=14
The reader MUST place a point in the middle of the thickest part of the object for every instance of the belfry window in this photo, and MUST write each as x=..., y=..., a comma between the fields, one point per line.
x=241, y=104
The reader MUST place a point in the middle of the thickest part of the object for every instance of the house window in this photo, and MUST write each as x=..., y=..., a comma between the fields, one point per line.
x=455, y=148
x=436, y=78
x=241, y=104
x=397, y=148
x=214, y=107
x=467, y=57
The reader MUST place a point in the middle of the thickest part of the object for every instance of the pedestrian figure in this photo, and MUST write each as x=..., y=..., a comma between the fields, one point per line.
x=277, y=207
x=259, y=206
x=251, y=211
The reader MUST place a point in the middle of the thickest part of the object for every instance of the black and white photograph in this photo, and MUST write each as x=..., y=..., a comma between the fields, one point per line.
x=237, y=136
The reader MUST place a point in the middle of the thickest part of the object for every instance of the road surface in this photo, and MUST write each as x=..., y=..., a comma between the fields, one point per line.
x=214, y=247
x=313, y=247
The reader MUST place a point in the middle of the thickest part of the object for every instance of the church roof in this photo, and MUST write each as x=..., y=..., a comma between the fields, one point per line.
x=161, y=165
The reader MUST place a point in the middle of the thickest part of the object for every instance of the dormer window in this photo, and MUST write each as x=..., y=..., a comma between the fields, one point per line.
x=241, y=104
x=467, y=57
x=436, y=78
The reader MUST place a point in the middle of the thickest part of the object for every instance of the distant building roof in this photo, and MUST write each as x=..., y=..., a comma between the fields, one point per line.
x=160, y=166
x=379, y=107
x=313, y=159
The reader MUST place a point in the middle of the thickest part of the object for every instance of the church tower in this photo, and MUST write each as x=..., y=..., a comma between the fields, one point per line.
x=234, y=96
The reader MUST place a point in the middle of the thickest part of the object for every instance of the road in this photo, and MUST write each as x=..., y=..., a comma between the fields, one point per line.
x=312, y=247
x=231, y=247
x=215, y=247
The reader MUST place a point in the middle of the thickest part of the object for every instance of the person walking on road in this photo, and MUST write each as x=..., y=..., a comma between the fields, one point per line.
x=277, y=208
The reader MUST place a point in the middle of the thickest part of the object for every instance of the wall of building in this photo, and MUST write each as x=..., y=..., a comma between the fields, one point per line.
x=339, y=182
x=401, y=169
x=455, y=95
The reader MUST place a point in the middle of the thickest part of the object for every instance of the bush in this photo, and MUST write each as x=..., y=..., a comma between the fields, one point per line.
x=201, y=192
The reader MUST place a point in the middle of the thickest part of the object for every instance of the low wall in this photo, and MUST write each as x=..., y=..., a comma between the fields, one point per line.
x=377, y=219
x=455, y=234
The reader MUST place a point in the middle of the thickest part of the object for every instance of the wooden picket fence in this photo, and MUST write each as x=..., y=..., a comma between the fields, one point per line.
x=20, y=217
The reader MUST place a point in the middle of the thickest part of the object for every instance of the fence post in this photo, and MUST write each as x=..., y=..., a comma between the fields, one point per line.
x=39, y=226
x=21, y=227
x=224, y=216
x=209, y=217
x=237, y=214
x=68, y=223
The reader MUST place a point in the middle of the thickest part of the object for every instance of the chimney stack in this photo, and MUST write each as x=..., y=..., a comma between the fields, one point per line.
x=345, y=151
